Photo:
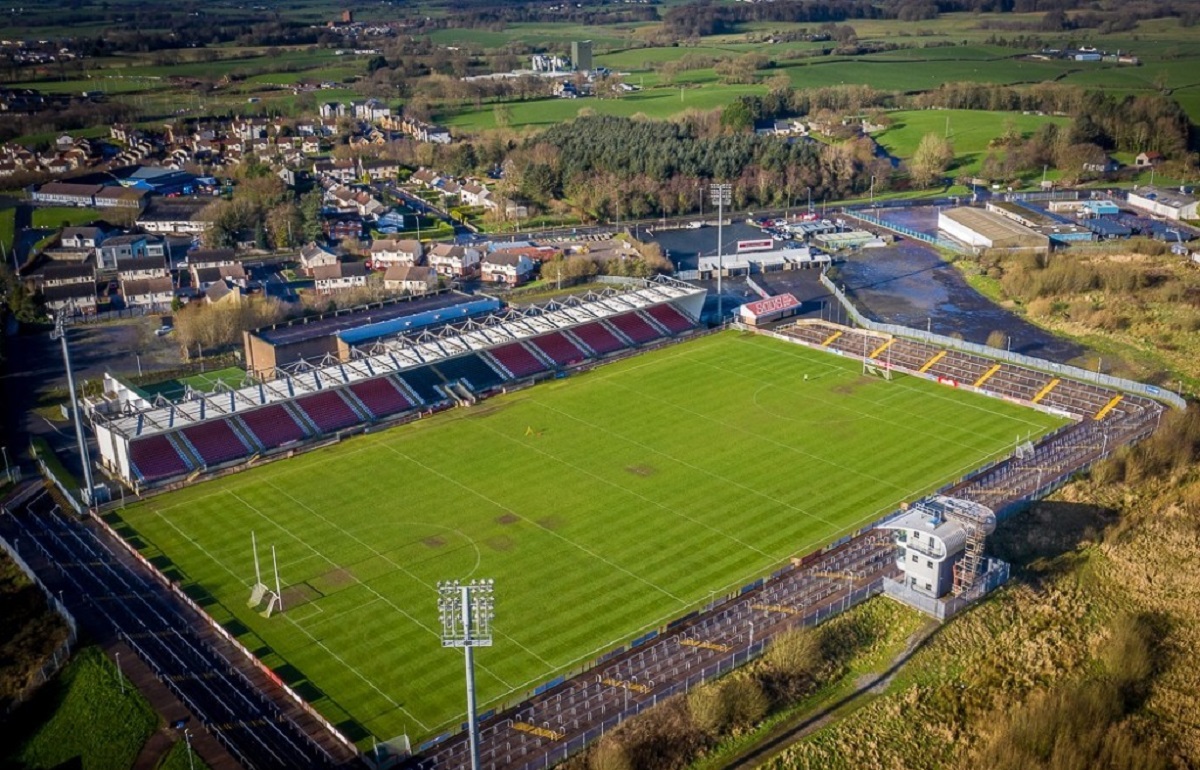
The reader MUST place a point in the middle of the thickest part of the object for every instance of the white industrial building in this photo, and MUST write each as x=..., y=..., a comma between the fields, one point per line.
x=986, y=230
x=1169, y=204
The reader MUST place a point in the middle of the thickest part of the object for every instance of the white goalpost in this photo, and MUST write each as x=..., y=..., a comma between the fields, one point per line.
x=261, y=591
x=873, y=367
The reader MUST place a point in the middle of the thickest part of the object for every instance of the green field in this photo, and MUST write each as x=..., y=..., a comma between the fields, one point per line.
x=970, y=131
x=233, y=376
x=54, y=217
x=603, y=505
x=82, y=716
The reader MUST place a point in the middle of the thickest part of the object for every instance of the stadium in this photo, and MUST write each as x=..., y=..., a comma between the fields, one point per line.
x=643, y=519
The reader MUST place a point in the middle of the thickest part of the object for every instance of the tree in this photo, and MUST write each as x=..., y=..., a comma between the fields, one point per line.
x=310, y=214
x=930, y=161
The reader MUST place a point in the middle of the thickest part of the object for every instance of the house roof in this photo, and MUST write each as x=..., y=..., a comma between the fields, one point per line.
x=143, y=286
x=408, y=246
x=85, y=233
x=69, y=291
x=409, y=273
x=133, y=264
x=507, y=259
x=68, y=272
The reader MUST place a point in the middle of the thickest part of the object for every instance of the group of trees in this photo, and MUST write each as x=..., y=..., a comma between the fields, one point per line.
x=264, y=210
x=612, y=167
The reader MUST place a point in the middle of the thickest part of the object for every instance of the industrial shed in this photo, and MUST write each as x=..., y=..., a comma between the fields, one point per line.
x=986, y=230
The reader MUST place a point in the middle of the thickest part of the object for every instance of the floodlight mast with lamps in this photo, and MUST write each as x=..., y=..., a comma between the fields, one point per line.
x=466, y=611
x=722, y=196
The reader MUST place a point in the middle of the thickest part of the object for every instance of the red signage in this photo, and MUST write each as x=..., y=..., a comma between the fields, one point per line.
x=763, y=244
x=776, y=304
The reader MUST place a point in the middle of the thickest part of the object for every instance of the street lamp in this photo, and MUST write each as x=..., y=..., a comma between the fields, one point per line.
x=187, y=738
x=60, y=333
x=466, y=611
x=722, y=196
x=7, y=473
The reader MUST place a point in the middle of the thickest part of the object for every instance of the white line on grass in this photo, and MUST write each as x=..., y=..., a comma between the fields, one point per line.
x=549, y=531
x=401, y=568
x=286, y=617
x=642, y=497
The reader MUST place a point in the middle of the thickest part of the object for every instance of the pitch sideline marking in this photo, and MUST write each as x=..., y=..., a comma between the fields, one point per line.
x=316, y=641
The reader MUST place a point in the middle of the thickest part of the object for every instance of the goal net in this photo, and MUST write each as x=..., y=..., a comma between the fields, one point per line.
x=874, y=370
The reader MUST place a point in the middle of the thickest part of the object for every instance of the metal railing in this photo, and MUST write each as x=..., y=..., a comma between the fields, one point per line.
x=1017, y=359
x=911, y=233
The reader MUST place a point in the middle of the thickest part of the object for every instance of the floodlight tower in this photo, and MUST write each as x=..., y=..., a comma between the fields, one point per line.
x=722, y=196
x=466, y=611
x=60, y=333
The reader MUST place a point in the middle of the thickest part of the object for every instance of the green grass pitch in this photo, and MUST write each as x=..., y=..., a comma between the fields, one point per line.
x=603, y=505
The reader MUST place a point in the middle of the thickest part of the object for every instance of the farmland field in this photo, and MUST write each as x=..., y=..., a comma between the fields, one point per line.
x=603, y=505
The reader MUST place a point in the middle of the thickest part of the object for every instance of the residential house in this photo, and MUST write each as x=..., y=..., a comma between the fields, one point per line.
x=474, y=194
x=211, y=257
x=509, y=267
x=371, y=110
x=332, y=110
x=120, y=248
x=222, y=291
x=70, y=299
x=390, y=222
x=414, y=279
x=58, y=274
x=313, y=256
x=82, y=237
x=148, y=293
x=387, y=252
x=1148, y=159
x=379, y=170
x=340, y=276
x=142, y=268
x=204, y=277
x=454, y=261
x=343, y=226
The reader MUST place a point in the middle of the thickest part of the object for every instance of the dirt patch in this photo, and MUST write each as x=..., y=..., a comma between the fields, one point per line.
x=508, y=518
x=847, y=388
x=550, y=522
x=299, y=595
x=500, y=543
x=434, y=542
x=642, y=470
x=336, y=578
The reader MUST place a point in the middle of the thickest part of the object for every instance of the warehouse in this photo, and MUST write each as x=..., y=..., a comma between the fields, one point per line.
x=1170, y=204
x=986, y=230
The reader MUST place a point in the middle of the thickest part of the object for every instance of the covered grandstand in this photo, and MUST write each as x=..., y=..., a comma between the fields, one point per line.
x=147, y=444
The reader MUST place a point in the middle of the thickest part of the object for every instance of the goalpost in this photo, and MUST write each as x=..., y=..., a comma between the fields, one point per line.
x=872, y=366
x=260, y=590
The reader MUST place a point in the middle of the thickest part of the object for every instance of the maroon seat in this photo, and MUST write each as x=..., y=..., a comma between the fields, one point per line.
x=559, y=349
x=155, y=457
x=215, y=442
x=328, y=411
x=635, y=327
x=598, y=338
x=273, y=426
x=381, y=397
x=669, y=316
x=517, y=359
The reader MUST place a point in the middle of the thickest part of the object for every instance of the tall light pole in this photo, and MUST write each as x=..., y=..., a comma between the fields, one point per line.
x=60, y=333
x=466, y=611
x=722, y=196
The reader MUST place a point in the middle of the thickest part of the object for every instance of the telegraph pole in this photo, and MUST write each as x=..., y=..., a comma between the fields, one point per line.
x=721, y=195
